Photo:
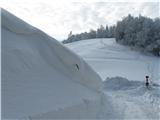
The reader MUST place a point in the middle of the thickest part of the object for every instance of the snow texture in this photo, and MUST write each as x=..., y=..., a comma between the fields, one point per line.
x=131, y=99
x=125, y=97
x=110, y=59
x=42, y=79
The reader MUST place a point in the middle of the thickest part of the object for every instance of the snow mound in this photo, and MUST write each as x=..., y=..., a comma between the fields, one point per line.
x=43, y=79
x=120, y=83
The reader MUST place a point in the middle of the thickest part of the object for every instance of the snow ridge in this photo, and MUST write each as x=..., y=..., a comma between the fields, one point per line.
x=40, y=76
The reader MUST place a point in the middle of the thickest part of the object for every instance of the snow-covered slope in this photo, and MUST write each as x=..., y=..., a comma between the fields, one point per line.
x=125, y=98
x=41, y=78
x=110, y=59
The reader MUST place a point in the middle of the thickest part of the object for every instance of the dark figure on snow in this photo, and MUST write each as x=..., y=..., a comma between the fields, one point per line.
x=147, y=82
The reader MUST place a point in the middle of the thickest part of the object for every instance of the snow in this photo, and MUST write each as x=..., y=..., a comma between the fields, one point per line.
x=40, y=78
x=110, y=59
x=123, y=72
x=132, y=99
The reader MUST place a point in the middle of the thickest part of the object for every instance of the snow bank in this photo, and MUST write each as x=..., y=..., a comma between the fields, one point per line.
x=120, y=83
x=43, y=79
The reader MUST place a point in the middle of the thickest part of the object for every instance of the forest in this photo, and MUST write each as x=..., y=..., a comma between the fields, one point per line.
x=139, y=32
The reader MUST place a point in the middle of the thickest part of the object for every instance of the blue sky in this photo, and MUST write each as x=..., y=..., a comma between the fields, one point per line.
x=59, y=17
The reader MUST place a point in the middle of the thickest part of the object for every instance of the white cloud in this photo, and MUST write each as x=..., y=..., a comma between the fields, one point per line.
x=58, y=18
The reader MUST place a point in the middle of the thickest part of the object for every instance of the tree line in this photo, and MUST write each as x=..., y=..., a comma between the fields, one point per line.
x=140, y=32
x=101, y=32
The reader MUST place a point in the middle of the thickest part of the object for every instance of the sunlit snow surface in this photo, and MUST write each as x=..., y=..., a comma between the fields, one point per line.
x=110, y=59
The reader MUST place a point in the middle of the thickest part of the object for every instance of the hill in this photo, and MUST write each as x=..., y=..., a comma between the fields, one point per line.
x=42, y=79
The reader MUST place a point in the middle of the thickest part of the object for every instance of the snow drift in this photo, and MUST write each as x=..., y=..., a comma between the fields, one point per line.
x=120, y=83
x=41, y=79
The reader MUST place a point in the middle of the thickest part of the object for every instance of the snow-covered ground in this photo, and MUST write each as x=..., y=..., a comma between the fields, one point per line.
x=131, y=99
x=126, y=97
x=41, y=79
x=110, y=59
